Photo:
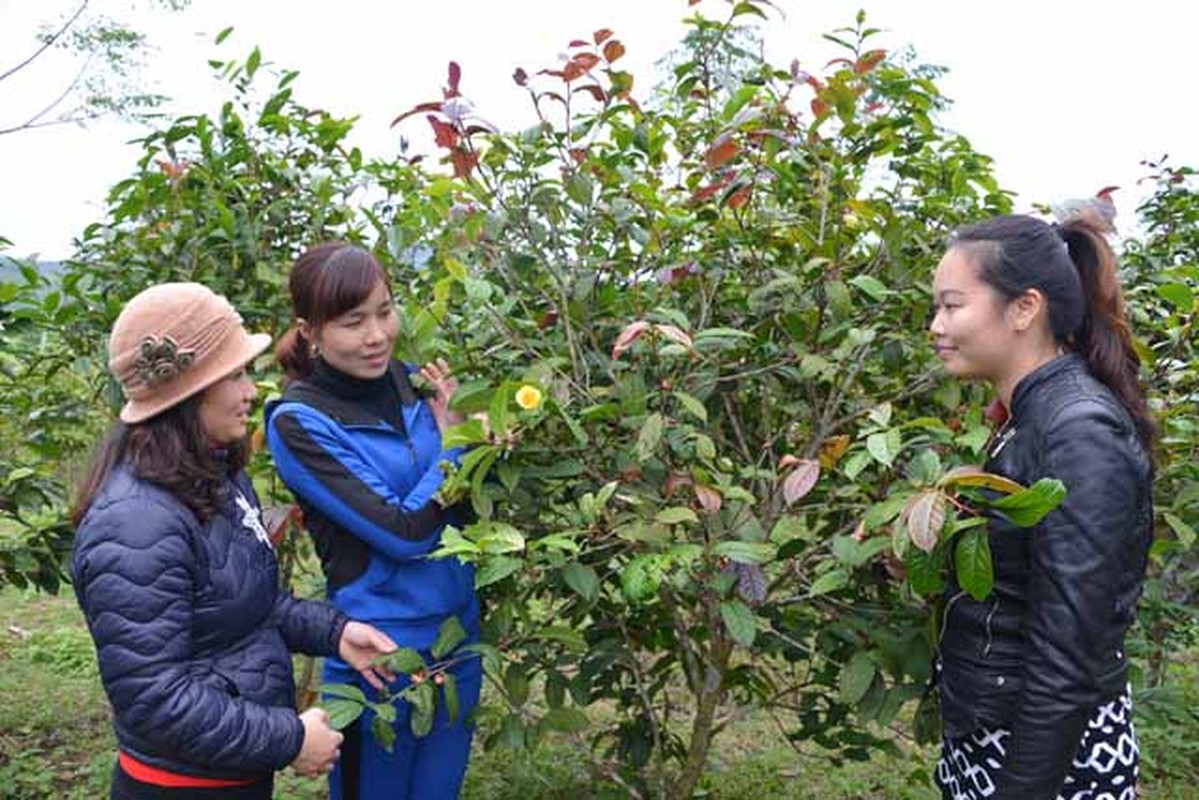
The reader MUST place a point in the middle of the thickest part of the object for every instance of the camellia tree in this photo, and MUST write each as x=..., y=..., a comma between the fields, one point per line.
x=706, y=422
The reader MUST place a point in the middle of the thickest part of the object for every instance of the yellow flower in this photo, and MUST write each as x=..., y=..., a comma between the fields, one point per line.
x=528, y=397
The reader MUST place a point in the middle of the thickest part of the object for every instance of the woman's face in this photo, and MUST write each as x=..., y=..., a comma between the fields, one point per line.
x=973, y=333
x=225, y=407
x=360, y=341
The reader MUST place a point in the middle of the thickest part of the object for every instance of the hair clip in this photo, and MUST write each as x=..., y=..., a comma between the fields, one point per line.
x=161, y=360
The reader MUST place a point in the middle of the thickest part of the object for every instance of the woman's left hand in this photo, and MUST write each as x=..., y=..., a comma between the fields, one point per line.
x=360, y=646
x=441, y=378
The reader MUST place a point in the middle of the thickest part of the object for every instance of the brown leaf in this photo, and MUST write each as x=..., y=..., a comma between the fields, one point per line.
x=832, y=450
x=613, y=50
x=709, y=499
x=925, y=517
x=430, y=106
x=788, y=461
x=444, y=134
x=464, y=162
x=276, y=520
x=721, y=153
x=586, y=61
x=800, y=480
x=520, y=77
x=455, y=77
x=594, y=91
x=602, y=35
x=631, y=333
x=674, y=481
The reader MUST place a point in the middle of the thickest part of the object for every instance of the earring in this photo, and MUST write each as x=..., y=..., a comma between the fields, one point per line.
x=313, y=351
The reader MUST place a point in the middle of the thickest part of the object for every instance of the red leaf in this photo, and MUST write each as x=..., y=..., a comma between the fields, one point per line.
x=586, y=60
x=455, y=77
x=613, y=50
x=520, y=77
x=842, y=61
x=710, y=191
x=819, y=107
x=572, y=71
x=721, y=153
x=417, y=109
x=464, y=162
x=602, y=35
x=556, y=73
x=692, y=3
x=631, y=333
x=801, y=480
x=443, y=132
x=594, y=91
x=548, y=319
x=578, y=43
x=869, y=61
x=579, y=154
x=738, y=198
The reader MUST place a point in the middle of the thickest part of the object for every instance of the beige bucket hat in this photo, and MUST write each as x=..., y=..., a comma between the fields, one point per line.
x=175, y=340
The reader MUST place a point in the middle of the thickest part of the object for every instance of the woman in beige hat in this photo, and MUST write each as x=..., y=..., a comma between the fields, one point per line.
x=177, y=576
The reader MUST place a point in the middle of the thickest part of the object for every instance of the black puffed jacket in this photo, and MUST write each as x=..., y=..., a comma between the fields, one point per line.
x=1046, y=648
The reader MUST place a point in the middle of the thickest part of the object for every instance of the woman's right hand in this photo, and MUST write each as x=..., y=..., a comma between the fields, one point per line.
x=320, y=751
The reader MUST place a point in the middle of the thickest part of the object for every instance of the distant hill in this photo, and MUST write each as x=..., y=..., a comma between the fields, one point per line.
x=10, y=272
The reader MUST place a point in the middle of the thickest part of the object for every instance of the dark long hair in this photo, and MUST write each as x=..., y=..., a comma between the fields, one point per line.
x=1075, y=268
x=326, y=281
x=171, y=451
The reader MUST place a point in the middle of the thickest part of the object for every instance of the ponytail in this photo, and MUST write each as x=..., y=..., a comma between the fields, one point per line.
x=294, y=354
x=1103, y=338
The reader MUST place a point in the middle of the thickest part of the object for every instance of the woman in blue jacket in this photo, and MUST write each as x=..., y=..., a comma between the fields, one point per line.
x=177, y=577
x=362, y=452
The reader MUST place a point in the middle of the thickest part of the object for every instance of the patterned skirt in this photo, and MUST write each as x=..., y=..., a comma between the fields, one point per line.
x=1105, y=766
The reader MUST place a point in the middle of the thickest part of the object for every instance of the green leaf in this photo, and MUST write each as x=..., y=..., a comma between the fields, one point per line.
x=648, y=438
x=856, y=677
x=583, y=579
x=464, y=434
x=450, y=635
x=924, y=573
x=497, y=412
x=828, y=582
x=516, y=684
x=676, y=515
x=1029, y=506
x=884, y=446
x=1184, y=532
x=640, y=578
x=424, y=704
x=1179, y=295
x=873, y=287
x=453, y=705
x=495, y=569
x=342, y=712
x=745, y=552
x=580, y=188
x=972, y=562
x=405, y=660
x=223, y=35
x=692, y=405
x=383, y=733
x=569, y=637
x=343, y=690
x=705, y=448
x=564, y=720
x=497, y=538
x=740, y=621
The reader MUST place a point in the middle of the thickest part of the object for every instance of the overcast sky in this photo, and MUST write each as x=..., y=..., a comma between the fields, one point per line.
x=1067, y=98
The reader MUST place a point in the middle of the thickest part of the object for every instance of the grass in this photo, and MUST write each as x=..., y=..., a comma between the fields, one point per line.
x=56, y=741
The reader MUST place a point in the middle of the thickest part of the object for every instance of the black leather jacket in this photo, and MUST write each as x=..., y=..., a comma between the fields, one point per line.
x=1046, y=648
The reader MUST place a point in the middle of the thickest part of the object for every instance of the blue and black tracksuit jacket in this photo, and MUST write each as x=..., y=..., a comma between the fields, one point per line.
x=366, y=489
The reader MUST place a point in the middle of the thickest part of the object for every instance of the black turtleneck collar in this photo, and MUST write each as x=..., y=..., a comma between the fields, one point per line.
x=379, y=396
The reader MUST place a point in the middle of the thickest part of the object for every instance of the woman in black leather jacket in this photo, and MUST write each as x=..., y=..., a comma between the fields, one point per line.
x=1033, y=680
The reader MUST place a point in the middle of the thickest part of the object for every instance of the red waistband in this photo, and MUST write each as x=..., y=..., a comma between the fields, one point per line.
x=145, y=773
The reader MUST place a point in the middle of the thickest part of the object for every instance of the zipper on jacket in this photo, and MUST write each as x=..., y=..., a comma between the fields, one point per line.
x=990, y=614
